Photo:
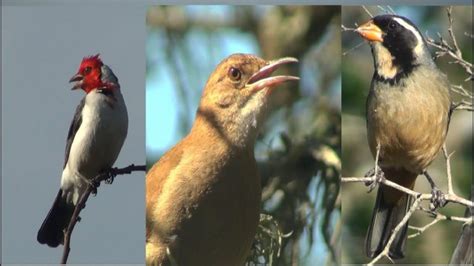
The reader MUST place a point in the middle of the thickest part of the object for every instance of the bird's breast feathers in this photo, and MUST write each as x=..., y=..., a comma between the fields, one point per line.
x=100, y=137
x=411, y=119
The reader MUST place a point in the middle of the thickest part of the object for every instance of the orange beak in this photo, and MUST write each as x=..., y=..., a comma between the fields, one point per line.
x=370, y=32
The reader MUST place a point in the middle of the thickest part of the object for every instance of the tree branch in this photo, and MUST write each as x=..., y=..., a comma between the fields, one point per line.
x=452, y=50
x=449, y=197
x=437, y=218
x=106, y=176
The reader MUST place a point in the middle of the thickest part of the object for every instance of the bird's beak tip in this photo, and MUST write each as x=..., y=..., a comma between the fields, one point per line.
x=76, y=78
x=370, y=32
x=262, y=79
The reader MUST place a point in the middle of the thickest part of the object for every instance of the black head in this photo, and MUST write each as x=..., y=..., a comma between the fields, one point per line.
x=401, y=37
x=397, y=45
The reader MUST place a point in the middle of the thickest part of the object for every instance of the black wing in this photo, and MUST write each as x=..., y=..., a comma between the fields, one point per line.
x=75, y=124
x=108, y=75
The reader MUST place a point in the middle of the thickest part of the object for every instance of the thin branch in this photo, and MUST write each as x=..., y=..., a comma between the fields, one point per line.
x=344, y=28
x=388, y=183
x=449, y=197
x=421, y=230
x=447, y=157
x=387, y=9
x=367, y=11
x=385, y=251
x=466, y=101
x=439, y=217
x=452, y=50
x=451, y=32
x=92, y=187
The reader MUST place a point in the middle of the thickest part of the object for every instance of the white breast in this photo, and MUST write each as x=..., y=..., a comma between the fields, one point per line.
x=97, y=142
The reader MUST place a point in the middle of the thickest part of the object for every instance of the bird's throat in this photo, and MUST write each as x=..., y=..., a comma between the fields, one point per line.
x=389, y=68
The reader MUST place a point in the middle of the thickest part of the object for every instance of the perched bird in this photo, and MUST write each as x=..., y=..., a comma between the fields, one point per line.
x=408, y=111
x=94, y=140
x=203, y=195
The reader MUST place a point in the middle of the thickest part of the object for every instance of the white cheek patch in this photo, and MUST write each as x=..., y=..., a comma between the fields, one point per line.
x=419, y=46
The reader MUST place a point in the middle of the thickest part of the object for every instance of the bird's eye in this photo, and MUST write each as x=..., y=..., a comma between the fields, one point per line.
x=392, y=25
x=234, y=74
x=87, y=70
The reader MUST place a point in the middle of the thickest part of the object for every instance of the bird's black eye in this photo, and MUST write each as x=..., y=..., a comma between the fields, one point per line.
x=234, y=74
x=87, y=70
x=392, y=25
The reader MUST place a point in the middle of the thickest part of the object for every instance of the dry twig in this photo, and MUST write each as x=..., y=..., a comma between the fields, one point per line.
x=108, y=177
x=453, y=50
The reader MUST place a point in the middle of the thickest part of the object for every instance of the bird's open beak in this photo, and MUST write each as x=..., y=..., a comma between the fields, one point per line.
x=78, y=79
x=370, y=32
x=262, y=79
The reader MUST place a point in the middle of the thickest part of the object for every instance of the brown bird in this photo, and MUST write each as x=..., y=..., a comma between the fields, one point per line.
x=203, y=195
x=408, y=111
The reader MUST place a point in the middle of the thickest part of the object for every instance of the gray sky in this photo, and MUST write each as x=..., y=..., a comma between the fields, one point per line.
x=42, y=47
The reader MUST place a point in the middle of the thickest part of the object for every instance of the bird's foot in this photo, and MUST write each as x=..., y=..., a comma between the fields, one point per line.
x=110, y=175
x=437, y=199
x=378, y=175
x=95, y=184
x=437, y=196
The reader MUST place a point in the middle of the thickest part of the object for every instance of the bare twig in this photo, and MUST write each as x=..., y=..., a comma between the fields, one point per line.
x=385, y=251
x=451, y=32
x=367, y=11
x=439, y=217
x=466, y=102
x=421, y=230
x=344, y=28
x=106, y=176
x=449, y=197
x=389, y=184
x=387, y=9
x=444, y=48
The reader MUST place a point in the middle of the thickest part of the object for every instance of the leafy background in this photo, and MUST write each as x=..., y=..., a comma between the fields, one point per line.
x=298, y=149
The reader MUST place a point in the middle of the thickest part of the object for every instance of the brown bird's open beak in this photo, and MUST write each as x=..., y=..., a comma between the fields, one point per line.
x=78, y=79
x=262, y=79
x=370, y=32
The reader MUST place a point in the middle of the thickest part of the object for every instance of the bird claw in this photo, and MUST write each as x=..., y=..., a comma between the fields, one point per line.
x=110, y=179
x=109, y=175
x=378, y=176
x=437, y=199
x=437, y=196
x=95, y=185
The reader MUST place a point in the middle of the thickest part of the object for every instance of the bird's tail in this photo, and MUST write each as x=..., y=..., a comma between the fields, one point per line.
x=51, y=232
x=390, y=207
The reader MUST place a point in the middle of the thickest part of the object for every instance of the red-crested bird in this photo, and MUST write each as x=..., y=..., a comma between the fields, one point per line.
x=95, y=138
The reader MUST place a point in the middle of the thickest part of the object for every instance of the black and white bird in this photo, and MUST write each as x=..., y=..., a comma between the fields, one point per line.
x=408, y=110
x=95, y=138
